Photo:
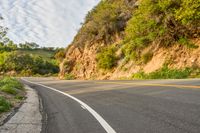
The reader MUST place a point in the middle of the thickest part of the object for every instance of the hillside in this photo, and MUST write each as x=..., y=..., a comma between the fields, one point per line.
x=18, y=61
x=137, y=39
x=39, y=52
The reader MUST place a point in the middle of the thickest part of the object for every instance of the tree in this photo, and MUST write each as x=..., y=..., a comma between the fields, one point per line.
x=3, y=32
x=18, y=62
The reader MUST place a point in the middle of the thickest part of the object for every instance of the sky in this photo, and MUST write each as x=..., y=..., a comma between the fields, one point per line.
x=50, y=23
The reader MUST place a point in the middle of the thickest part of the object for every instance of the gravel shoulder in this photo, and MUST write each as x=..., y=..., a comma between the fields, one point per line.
x=28, y=119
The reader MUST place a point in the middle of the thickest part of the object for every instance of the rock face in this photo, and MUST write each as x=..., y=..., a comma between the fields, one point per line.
x=93, y=36
x=83, y=61
x=81, y=55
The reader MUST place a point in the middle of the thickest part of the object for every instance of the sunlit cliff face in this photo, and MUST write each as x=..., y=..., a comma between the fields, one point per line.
x=47, y=22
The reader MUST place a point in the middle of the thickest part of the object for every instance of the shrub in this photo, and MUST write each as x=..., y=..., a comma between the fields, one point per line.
x=4, y=105
x=27, y=64
x=106, y=20
x=147, y=57
x=164, y=73
x=165, y=21
x=143, y=28
x=11, y=82
x=106, y=59
x=69, y=77
x=130, y=52
x=139, y=75
x=19, y=97
x=184, y=41
x=9, y=88
x=60, y=55
x=189, y=11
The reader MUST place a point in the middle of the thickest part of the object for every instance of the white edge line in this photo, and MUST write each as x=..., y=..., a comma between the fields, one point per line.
x=103, y=123
x=83, y=107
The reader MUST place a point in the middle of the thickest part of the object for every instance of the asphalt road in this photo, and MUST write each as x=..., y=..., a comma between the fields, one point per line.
x=153, y=106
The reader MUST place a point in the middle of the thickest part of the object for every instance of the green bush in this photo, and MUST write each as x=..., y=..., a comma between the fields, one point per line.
x=130, y=52
x=9, y=88
x=11, y=82
x=147, y=57
x=165, y=21
x=184, y=41
x=104, y=22
x=139, y=75
x=27, y=64
x=19, y=97
x=106, y=59
x=189, y=11
x=4, y=105
x=69, y=77
x=164, y=73
x=143, y=28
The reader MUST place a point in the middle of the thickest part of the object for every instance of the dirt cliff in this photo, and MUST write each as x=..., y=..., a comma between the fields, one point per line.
x=106, y=26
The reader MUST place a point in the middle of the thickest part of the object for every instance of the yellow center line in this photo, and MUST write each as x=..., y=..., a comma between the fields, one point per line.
x=144, y=84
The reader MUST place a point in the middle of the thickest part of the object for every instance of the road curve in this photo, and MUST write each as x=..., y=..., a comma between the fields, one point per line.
x=152, y=106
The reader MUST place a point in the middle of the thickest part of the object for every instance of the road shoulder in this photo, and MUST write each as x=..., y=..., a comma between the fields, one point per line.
x=28, y=118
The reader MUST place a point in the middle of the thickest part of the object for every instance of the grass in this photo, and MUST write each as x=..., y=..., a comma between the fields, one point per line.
x=11, y=83
x=9, y=88
x=184, y=41
x=19, y=97
x=5, y=105
x=165, y=73
x=11, y=93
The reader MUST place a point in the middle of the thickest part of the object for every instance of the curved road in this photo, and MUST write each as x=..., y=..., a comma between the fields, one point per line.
x=152, y=106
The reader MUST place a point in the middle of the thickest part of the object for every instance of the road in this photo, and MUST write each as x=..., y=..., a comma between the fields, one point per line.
x=152, y=106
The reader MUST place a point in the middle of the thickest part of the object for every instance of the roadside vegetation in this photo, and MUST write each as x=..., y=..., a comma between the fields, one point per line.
x=106, y=59
x=166, y=73
x=164, y=22
x=26, y=59
x=27, y=63
x=12, y=93
x=138, y=28
x=69, y=77
x=161, y=23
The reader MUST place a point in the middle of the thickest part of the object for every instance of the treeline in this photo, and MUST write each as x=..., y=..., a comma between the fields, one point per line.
x=15, y=63
x=10, y=46
x=26, y=59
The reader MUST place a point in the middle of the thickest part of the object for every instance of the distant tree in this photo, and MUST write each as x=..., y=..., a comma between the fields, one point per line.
x=29, y=45
x=18, y=62
x=11, y=45
x=3, y=33
x=23, y=63
x=48, y=48
x=32, y=45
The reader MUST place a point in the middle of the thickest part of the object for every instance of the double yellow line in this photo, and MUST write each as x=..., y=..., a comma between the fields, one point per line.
x=144, y=84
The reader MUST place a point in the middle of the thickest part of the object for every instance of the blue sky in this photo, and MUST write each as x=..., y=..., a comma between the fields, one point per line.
x=46, y=22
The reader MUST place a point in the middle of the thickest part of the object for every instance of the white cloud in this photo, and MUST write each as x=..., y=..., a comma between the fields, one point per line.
x=47, y=22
